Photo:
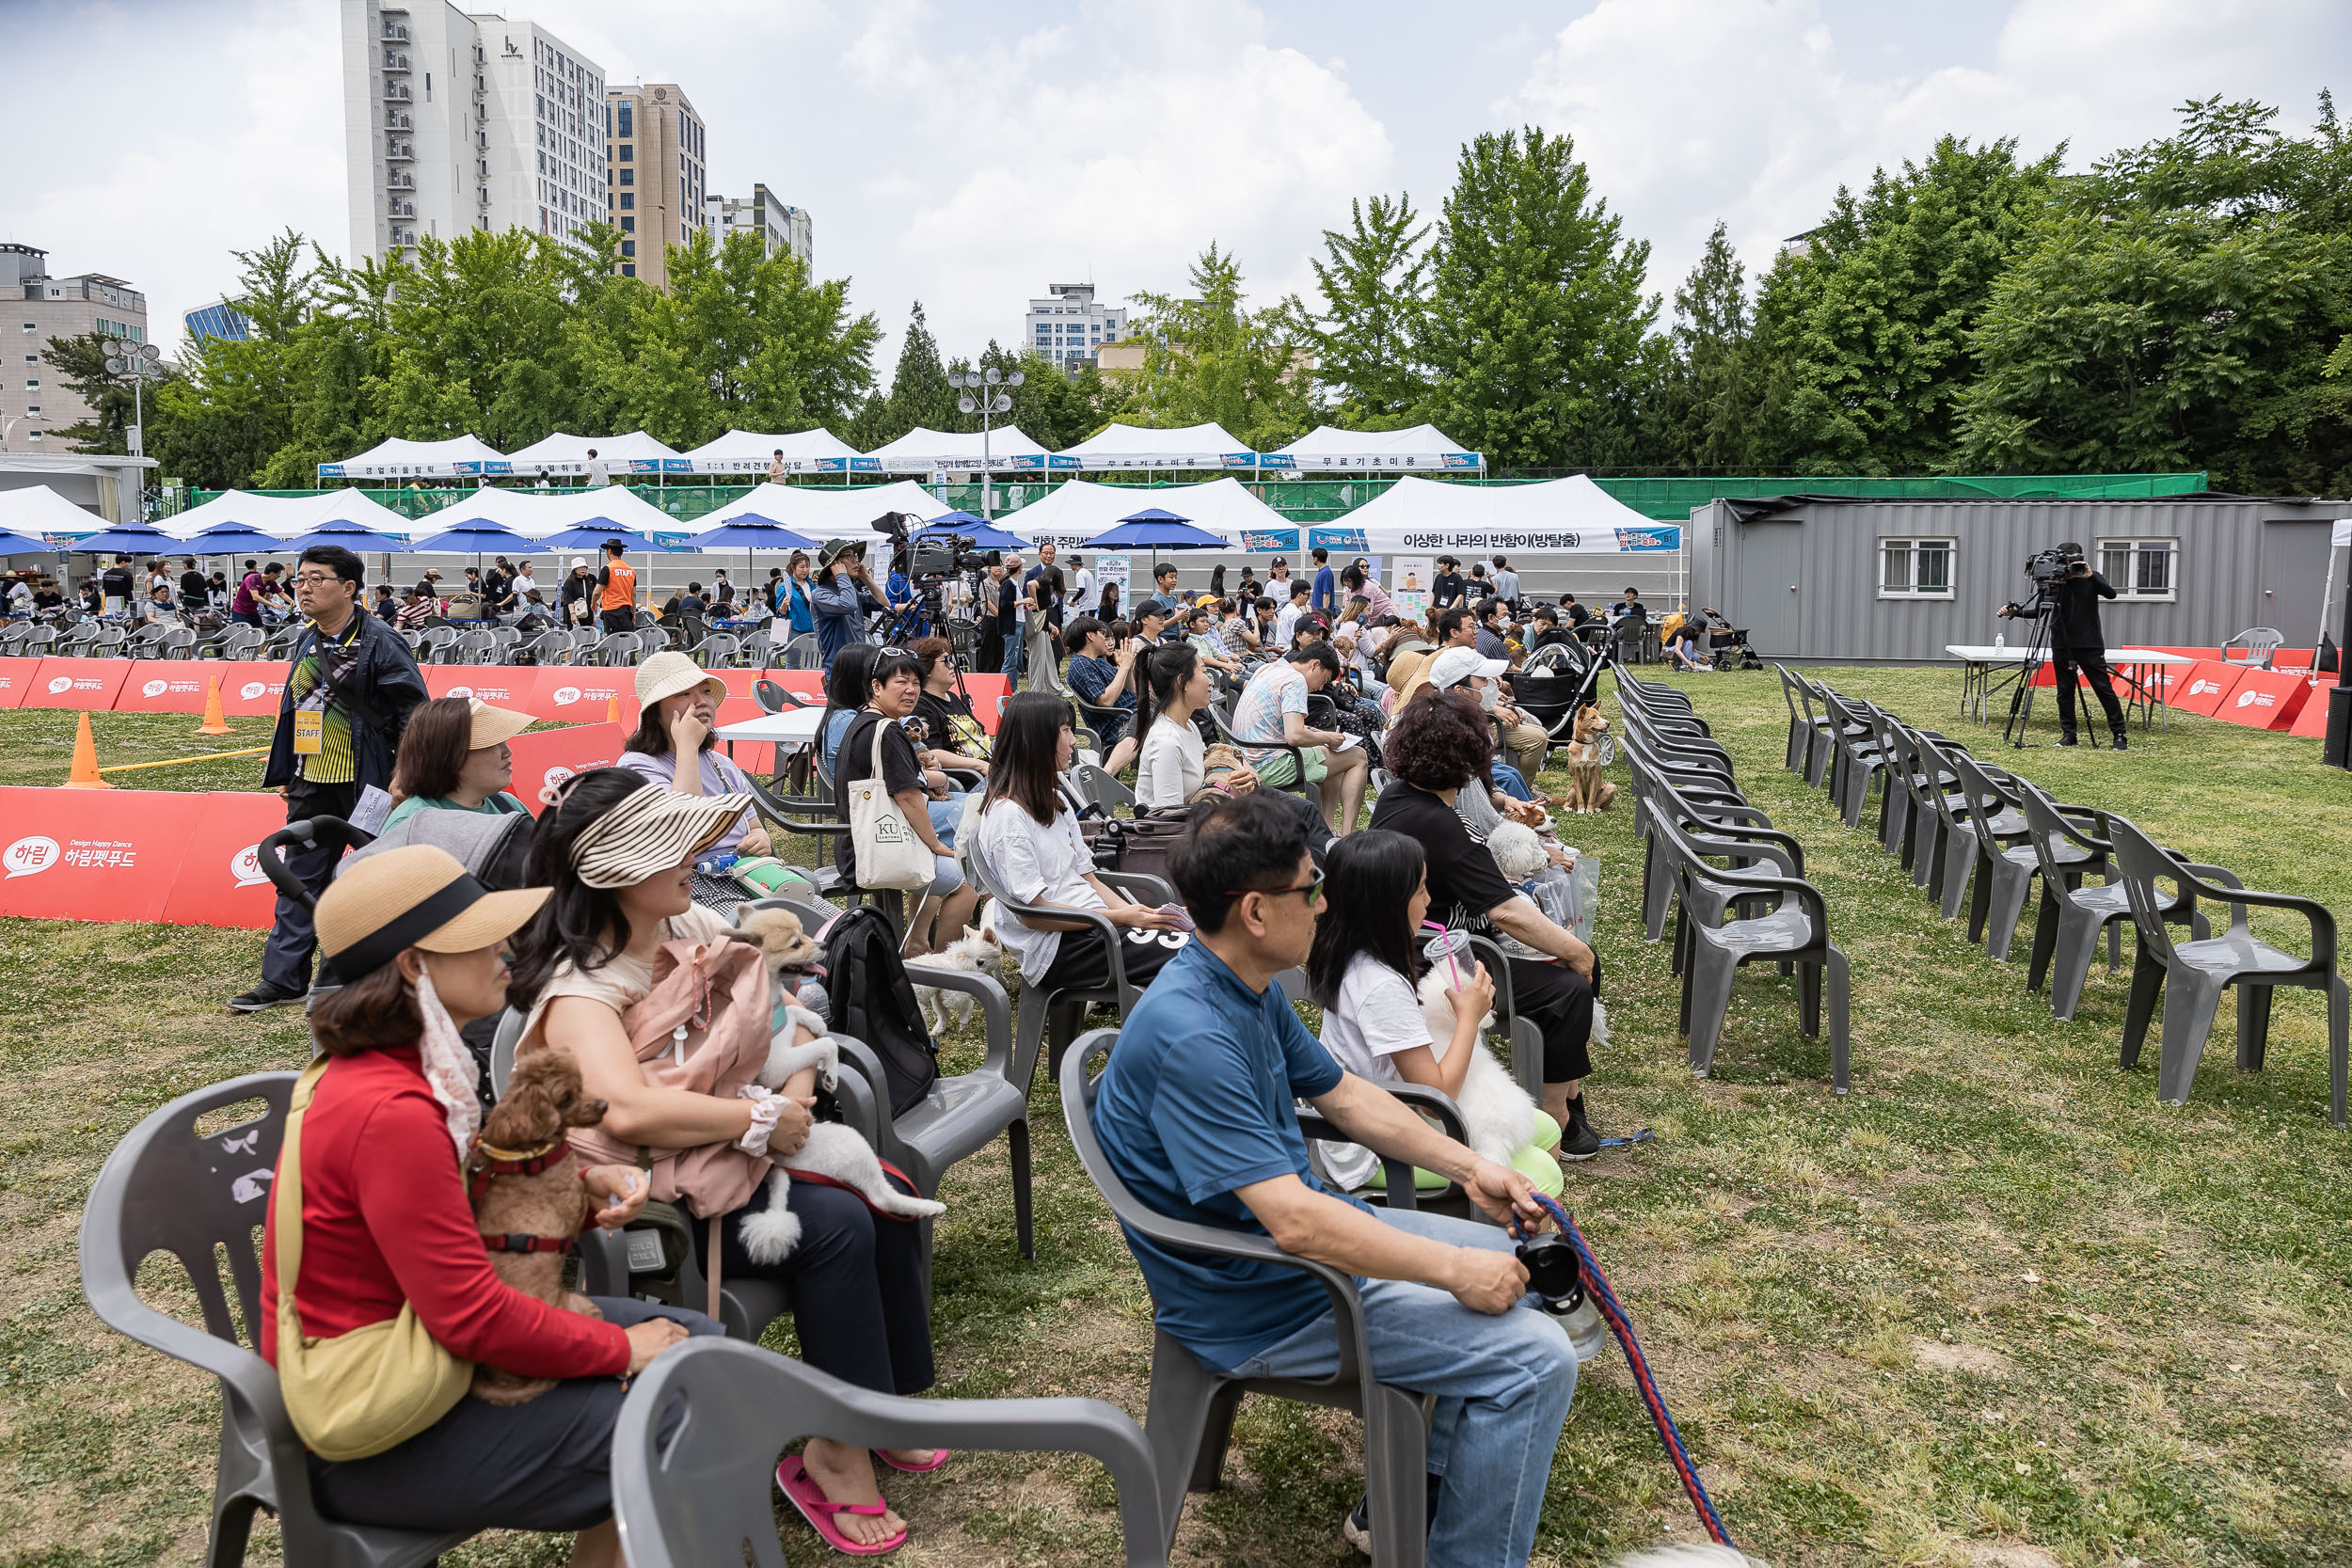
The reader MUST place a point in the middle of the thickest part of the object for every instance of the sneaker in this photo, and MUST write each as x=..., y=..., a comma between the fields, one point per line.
x=1356, y=1528
x=2067, y=739
x=1578, y=1140
x=2122, y=742
x=262, y=997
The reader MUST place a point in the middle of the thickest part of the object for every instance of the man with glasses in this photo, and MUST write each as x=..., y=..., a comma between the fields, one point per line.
x=1196, y=1113
x=349, y=691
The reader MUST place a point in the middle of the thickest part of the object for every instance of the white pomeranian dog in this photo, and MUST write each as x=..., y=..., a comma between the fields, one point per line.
x=831, y=1150
x=977, y=954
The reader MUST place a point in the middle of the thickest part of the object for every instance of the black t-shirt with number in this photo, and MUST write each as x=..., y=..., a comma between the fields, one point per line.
x=902, y=771
x=1465, y=884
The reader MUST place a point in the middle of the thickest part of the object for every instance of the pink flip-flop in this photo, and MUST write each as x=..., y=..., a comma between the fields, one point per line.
x=939, y=1457
x=801, y=1491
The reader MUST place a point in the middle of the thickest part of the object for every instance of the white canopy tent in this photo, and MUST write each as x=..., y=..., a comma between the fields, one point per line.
x=398, y=459
x=921, y=451
x=807, y=452
x=285, y=516
x=534, y=516
x=1570, y=516
x=821, y=511
x=1127, y=445
x=1329, y=448
x=561, y=453
x=38, y=511
x=1076, y=511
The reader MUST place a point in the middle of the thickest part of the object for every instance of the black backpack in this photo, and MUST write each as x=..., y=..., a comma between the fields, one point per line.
x=873, y=1000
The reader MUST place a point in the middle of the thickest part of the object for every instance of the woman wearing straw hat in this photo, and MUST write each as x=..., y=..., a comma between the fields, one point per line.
x=677, y=708
x=453, y=756
x=617, y=853
x=416, y=947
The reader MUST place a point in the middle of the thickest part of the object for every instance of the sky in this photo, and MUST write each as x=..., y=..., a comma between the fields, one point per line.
x=969, y=155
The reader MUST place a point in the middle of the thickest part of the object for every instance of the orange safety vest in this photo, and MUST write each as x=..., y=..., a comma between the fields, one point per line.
x=620, y=588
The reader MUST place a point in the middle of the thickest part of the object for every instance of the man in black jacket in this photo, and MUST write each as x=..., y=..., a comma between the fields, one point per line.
x=2076, y=643
x=349, y=691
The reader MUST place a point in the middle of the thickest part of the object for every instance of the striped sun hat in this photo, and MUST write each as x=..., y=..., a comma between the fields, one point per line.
x=650, y=831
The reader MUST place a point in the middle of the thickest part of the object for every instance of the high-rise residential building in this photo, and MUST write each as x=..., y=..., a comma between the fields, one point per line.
x=1069, y=327
x=219, y=319
x=34, y=403
x=455, y=121
x=655, y=185
x=784, y=228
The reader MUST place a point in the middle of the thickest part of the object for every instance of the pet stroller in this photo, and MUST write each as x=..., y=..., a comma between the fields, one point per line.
x=1727, y=646
x=1550, y=686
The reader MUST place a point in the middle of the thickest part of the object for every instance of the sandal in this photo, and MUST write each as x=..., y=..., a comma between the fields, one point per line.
x=801, y=1491
x=939, y=1457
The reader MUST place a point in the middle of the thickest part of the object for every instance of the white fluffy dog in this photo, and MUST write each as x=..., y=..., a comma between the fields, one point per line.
x=977, y=954
x=1496, y=1115
x=831, y=1150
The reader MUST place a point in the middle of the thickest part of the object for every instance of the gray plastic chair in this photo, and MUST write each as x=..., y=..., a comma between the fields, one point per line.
x=2007, y=864
x=1189, y=1421
x=2254, y=646
x=1807, y=732
x=2066, y=931
x=1956, y=829
x=802, y=653
x=1740, y=830
x=694, y=1450
x=167, y=1188
x=2194, y=974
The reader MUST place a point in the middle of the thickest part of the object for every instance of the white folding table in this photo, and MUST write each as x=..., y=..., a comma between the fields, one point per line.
x=1985, y=670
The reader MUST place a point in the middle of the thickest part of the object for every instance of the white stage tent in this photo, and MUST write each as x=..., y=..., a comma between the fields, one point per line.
x=285, y=516
x=1475, y=521
x=38, y=511
x=1329, y=448
x=807, y=452
x=1127, y=445
x=560, y=453
x=921, y=451
x=1075, y=511
x=398, y=459
x=535, y=516
x=821, y=511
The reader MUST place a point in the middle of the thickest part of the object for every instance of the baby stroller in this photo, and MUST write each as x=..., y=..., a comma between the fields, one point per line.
x=1727, y=646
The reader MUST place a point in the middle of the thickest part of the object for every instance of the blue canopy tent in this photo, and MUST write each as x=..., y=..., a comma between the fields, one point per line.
x=125, y=539
x=593, y=534
x=16, y=544
x=231, y=539
x=351, y=536
x=476, y=536
x=748, y=531
x=984, y=535
x=1155, y=530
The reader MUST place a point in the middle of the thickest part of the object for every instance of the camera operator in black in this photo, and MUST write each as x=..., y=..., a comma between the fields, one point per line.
x=2075, y=641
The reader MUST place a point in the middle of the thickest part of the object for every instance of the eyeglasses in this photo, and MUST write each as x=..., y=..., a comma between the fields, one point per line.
x=1312, y=888
x=314, y=580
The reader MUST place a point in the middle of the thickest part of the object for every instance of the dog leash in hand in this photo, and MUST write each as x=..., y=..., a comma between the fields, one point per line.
x=1620, y=1325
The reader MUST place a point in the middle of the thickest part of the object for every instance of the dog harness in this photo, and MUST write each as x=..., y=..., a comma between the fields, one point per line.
x=497, y=1162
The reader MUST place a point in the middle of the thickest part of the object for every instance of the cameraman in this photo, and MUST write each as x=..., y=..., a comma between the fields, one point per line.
x=843, y=598
x=2072, y=603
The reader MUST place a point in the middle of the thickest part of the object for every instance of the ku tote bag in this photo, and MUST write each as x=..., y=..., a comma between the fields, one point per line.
x=889, y=853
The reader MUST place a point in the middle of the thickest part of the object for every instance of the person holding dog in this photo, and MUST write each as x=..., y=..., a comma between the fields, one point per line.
x=416, y=946
x=617, y=852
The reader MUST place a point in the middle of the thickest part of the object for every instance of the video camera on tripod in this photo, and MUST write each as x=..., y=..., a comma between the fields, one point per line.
x=2048, y=570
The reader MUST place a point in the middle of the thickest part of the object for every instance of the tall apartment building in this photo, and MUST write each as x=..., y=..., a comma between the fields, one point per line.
x=455, y=121
x=655, y=183
x=784, y=228
x=1069, y=327
x=33, y=403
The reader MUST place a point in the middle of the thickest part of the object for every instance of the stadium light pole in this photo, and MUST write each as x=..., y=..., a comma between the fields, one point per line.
x=987, y=404
x=138, y=364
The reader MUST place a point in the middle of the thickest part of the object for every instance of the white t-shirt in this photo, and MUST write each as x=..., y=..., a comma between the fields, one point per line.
x=1171, y=764
x=1286, y=622
x=1376, y=1015
x=1036, y=863
x=1084, y=587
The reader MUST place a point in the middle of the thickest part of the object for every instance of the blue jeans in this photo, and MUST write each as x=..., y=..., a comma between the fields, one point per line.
x=947, y=815
x=1015, y=644
x=1508, y=780
x=1502, y=1384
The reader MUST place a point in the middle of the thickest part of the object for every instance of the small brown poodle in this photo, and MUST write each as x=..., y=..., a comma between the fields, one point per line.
x=529, y=1200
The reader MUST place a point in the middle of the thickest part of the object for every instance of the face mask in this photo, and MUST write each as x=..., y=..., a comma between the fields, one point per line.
x=1489, y=696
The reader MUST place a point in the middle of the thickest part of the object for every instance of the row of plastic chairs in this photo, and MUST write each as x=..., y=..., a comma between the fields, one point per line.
x=1755, y=907
x=1977, y=837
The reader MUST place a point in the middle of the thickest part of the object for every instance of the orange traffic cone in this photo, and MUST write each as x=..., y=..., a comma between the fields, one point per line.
x=215, y=723
x=612, y=709
x=85, y=760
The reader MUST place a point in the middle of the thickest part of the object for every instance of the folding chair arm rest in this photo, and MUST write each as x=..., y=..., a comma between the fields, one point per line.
x=1400, y=1191
x=1092, y=920
x=1436, y=1102
x=1490, y=953
x=2221, y=874
x=1778, y=848
x=1139, y=885
x=1729, y=813
x=868, y=1110
x=994, y=1007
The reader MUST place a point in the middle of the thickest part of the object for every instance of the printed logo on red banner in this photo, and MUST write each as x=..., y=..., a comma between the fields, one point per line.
x=501, y=685
x=2264, y=700
x=582, y=696
x=75, y=854
x=16, y=679
x=88, y=685
x=221, y=881
x=2205, y=687
x=249, y=689
x=545, y=758
x=166, y=686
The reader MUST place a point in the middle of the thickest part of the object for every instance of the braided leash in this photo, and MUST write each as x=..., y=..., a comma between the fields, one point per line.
x=1620, y=1325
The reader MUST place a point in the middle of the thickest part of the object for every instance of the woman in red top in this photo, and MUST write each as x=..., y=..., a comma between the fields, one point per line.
x=417, y=945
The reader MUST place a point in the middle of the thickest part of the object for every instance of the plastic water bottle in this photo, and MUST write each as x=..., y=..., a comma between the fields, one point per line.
x=716, y=865
x=2000, y=637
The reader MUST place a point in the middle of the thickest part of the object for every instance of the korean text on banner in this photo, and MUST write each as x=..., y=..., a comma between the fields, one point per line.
x=248, y=690
x=111, y=855
x=220, y=880
x=2206, y=688
x=501, y=685
x=2264, y=700
x=168, y=685
x=572, y=694
x=88, y=685
x=544, y=758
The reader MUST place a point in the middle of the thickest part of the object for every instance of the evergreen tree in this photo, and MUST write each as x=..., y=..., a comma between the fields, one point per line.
x=920, y=394
x=1208, y=357
x=1374, y=280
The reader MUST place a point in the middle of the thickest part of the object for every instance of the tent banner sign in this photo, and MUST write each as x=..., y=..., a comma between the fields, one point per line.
x=1618, y=541
x=1266, y=541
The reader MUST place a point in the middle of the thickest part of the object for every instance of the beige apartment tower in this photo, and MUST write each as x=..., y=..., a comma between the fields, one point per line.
x=34, y=403
x=656, y=181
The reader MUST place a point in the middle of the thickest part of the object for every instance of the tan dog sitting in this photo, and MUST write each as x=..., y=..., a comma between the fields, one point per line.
x=1219, y=763
x=528, y=1198
x=1588, y=792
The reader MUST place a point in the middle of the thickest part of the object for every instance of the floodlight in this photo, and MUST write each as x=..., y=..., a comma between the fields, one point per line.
x=114, y=366
x=995, y=376
x=965, y=405
x=1003, y=404
x=1014, y=379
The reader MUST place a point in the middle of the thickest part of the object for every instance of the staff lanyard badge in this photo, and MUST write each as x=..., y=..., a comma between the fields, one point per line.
x=309, y=732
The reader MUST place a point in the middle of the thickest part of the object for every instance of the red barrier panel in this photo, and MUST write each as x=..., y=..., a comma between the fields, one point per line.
x=249, y=689
x=16, y=679
x=544, y=759
x=2206, y=688
x=581, y=696
x=86, y=684
x=2312, y=718
x=2264, y=700
x=501, y=685
x=166, y=686
x=221, y=881
x=90, y=854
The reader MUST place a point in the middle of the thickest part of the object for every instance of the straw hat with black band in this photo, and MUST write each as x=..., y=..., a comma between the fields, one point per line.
x=415, y=896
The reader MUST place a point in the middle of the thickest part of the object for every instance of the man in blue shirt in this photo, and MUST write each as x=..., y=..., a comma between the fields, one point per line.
x=1105, y=681
x=1326, y=585
x=1195, y=1112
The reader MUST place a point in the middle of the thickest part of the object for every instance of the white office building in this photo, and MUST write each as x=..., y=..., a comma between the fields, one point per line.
x=784, y=229
x=1069, y=327
x=455, y=121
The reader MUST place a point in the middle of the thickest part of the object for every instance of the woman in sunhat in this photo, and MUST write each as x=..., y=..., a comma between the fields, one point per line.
x=677, y=711
x=453, y=756
x=617, y=852
x=416, y=948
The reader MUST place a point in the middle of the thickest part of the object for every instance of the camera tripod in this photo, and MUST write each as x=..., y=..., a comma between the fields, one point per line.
x=2037, y=655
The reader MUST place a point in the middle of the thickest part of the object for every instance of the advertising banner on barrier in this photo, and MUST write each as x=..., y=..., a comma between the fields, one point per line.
x=166, y=686
x=249, y=689
x=2205, y=688
x=2264, y=700
x=16, y=679
x=580, y=695
x=498, y=685
x=88, y=854
x=2311, y=718
x=220, y=880
x=87, y=684
x=544, y=758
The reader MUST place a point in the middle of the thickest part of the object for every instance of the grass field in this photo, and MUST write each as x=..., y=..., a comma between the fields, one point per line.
x=1997, y=1307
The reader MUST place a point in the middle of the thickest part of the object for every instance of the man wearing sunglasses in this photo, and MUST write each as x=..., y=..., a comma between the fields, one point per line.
x=1195, y=1112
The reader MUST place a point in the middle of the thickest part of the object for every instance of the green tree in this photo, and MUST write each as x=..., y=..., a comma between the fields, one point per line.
x=1208, y=357
x=1536, y=314
x=919, y=393
x=1375, y=284
x=1699, y=412
x=81, y=366
x=2178, y=310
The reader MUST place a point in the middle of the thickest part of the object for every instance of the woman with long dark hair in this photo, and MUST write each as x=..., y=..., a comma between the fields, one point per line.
x=847, y=687
x=1034, y=851
x=1171, y=767
x=1108, y=610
